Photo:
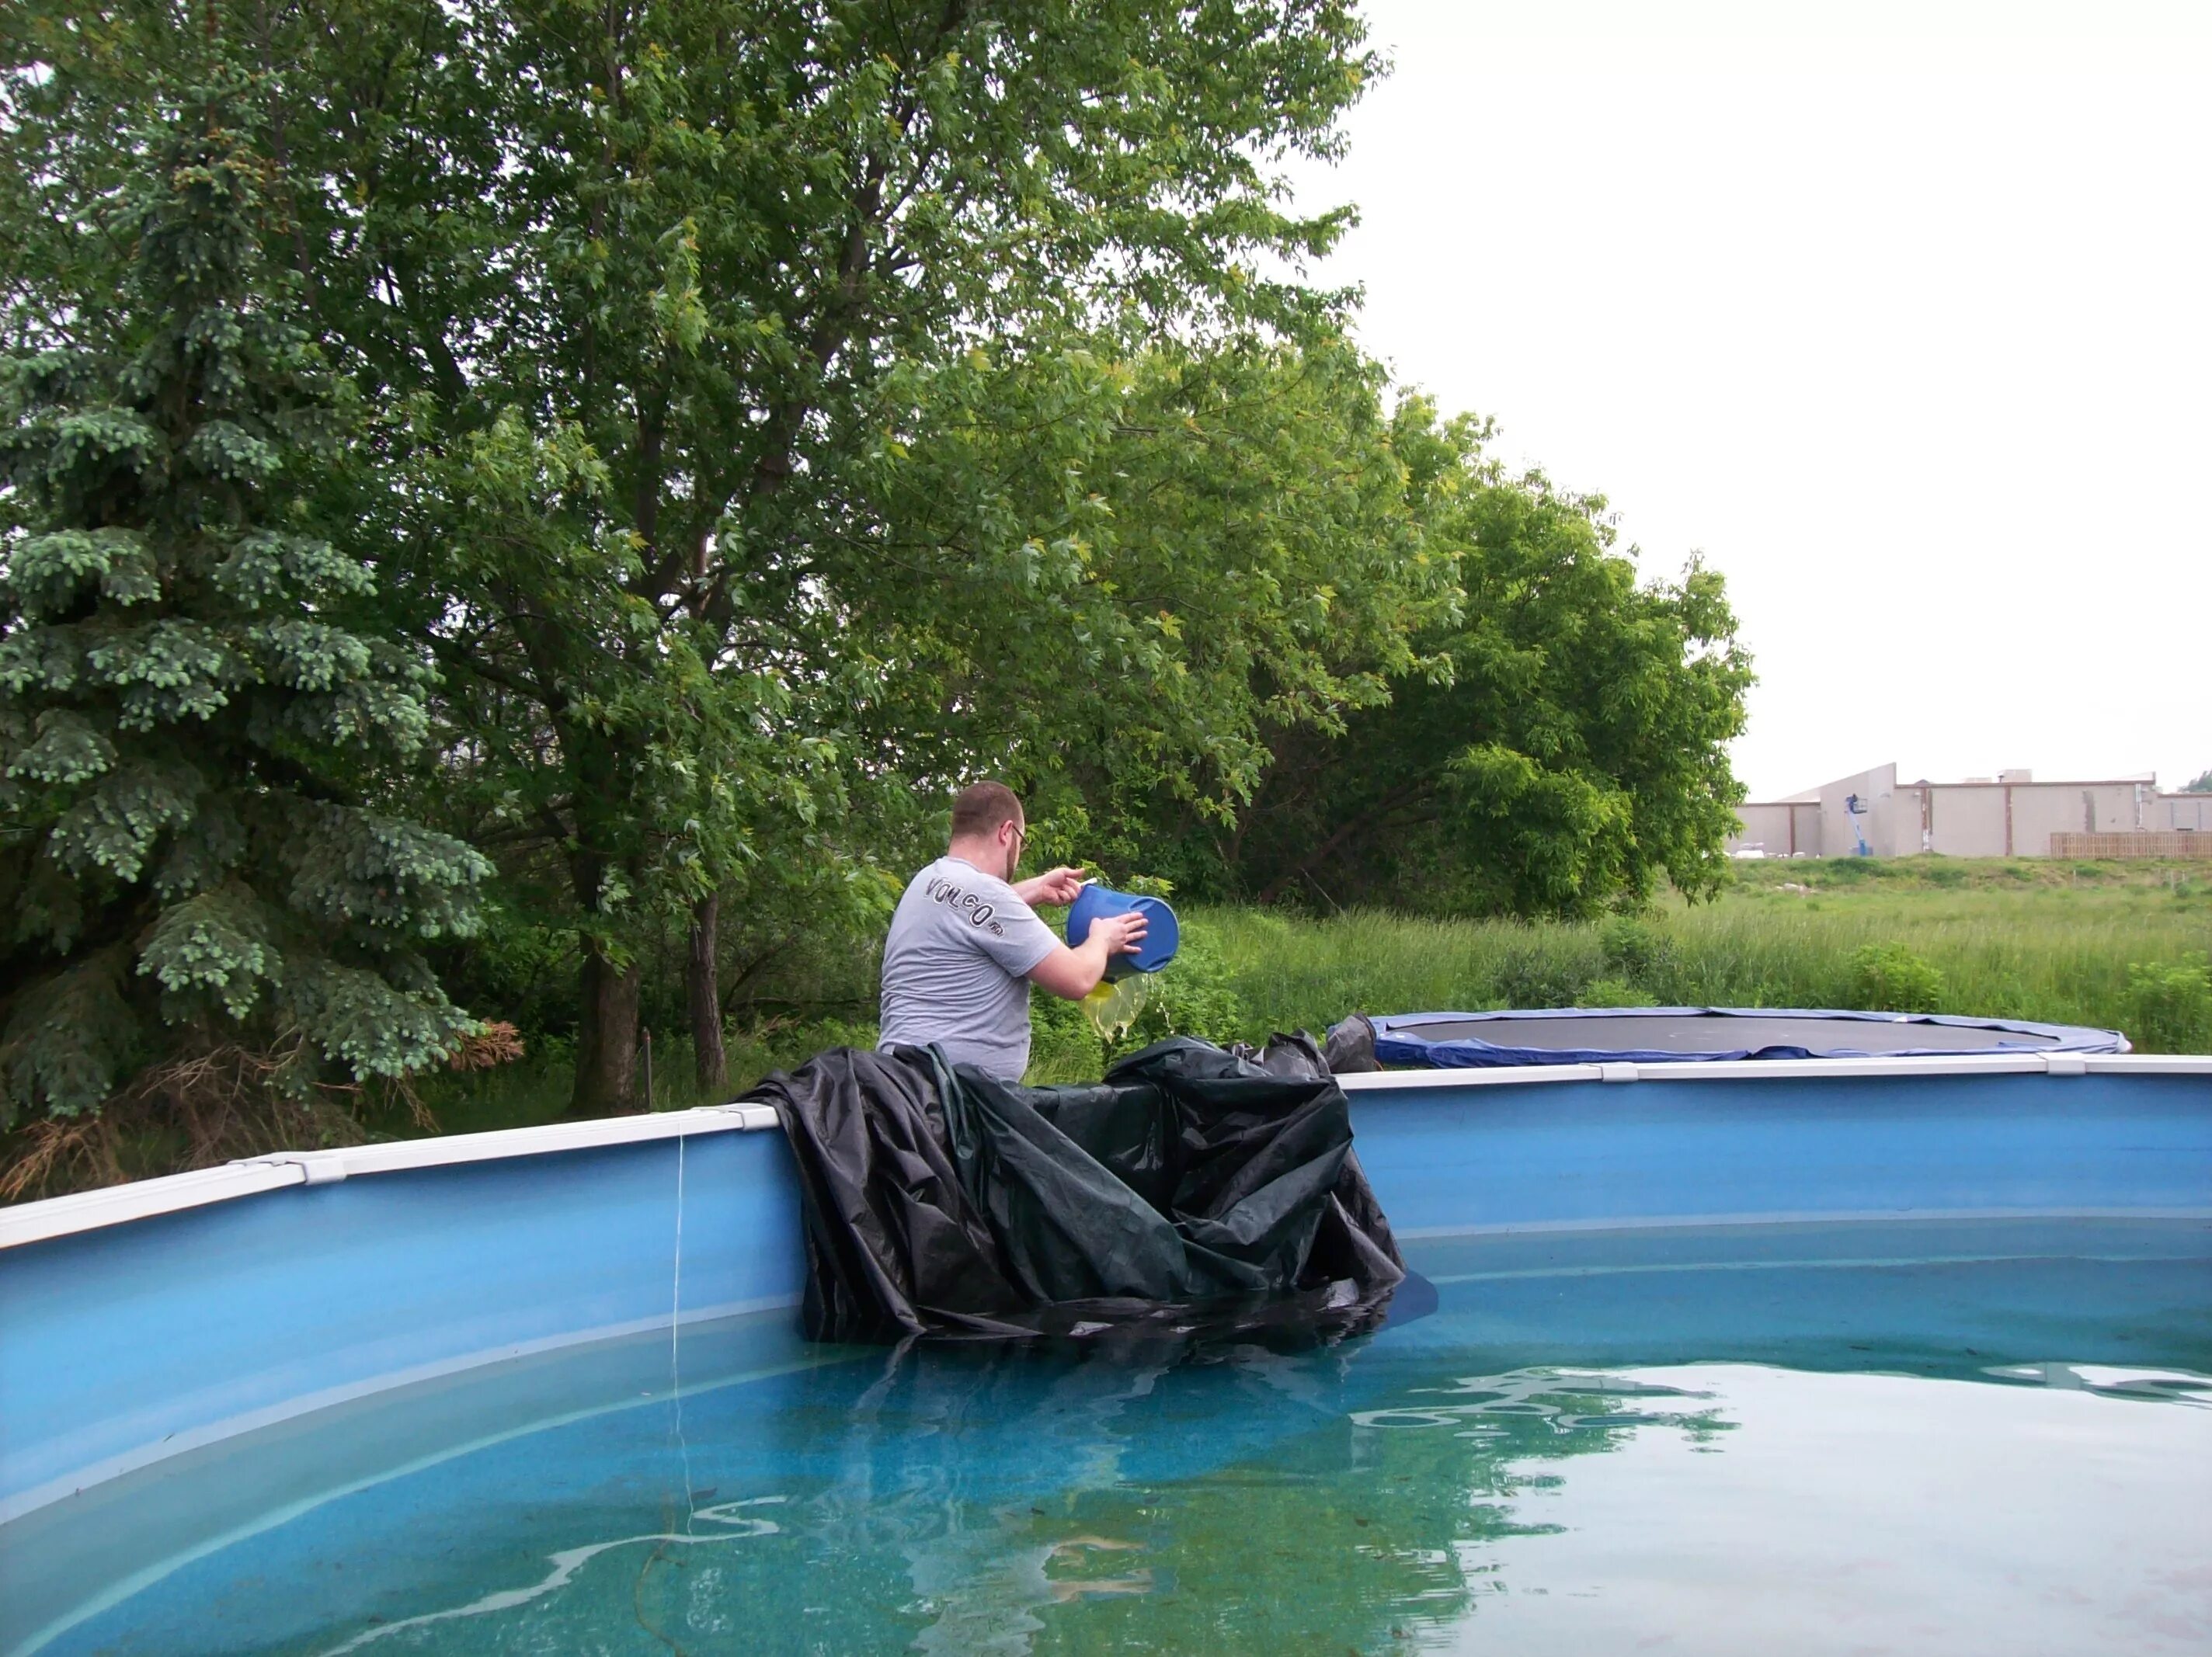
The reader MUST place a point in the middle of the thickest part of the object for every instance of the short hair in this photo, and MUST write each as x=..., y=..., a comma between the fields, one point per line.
x=980, y=807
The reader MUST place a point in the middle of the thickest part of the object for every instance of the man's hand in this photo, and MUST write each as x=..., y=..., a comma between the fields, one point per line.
x=1054, y=886
x=1124, y=933
x=1070, y=974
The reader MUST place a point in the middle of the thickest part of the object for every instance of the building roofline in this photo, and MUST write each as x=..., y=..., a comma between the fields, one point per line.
x=2043, y=782
x=2039, y=782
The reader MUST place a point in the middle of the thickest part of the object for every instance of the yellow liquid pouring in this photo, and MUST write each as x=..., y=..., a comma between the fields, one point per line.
x=1114, y=1005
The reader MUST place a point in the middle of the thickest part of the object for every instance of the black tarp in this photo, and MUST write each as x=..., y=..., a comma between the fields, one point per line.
x=1194, y=1189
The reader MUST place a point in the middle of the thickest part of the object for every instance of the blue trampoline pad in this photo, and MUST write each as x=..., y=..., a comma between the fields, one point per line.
x=1576, y=1035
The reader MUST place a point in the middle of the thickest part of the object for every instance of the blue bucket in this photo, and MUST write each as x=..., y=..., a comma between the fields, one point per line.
x=1162, y=935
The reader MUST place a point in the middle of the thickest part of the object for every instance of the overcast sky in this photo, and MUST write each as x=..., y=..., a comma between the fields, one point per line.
x=1898, y=312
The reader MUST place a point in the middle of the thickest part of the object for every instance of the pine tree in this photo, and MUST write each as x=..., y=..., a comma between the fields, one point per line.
x=195, y=881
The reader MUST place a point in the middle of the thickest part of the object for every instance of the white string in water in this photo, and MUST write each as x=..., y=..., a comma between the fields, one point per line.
x=675, y=1342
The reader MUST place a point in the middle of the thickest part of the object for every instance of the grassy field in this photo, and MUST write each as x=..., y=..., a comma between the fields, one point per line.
x=2014, y=939
x=2118, y=945
x=2112, y=944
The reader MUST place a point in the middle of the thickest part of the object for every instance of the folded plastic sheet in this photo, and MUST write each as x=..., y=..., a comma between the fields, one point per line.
x=1194, y=1190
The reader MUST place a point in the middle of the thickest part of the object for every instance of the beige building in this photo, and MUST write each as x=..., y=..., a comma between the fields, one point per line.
x=2009, y=815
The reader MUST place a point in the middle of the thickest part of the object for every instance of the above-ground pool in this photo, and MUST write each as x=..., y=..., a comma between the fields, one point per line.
x=1583, y=1036
x=1815, y=1356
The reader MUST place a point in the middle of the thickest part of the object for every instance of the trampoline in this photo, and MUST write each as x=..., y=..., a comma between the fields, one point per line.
x=1576, y=1035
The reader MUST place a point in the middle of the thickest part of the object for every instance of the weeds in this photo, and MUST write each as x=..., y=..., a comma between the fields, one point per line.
x=2170, y=1006
x=227, y=1102
x=2052, y=952
x=2129, y=948
x=1890, y=978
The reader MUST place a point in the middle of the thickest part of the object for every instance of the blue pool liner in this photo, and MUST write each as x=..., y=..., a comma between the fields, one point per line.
x=420, y=1270
x=1398, y=1039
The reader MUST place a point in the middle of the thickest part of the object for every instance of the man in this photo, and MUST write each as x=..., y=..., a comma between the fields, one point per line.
x=965, y=944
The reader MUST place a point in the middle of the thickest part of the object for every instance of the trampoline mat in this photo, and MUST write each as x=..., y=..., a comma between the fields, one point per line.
x=1728, y=1032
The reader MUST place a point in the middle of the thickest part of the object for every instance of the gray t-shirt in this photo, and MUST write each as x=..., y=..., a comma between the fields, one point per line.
x=954, y=968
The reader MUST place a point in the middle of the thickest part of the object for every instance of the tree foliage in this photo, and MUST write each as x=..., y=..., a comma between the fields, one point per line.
x=758, y=420
x=1115, y=580
x=194, y=851
x=1567, y=752
x=654, y=285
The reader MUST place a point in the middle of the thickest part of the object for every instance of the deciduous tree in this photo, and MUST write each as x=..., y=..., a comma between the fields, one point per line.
x=713, y=242
x=1571, y=756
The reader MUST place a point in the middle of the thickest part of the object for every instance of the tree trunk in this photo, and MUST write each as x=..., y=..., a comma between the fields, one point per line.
x=703, y=980
x=606, y=1037
x=606, y=1020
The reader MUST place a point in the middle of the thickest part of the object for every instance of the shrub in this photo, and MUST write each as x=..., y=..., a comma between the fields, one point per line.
x=1063, y=1047
x=1641, y=959
x=2169, y=1005
x=1631, y=948
x=1530, y=975
x=1613, y=992
x=1192, y=995
x=1890, y=978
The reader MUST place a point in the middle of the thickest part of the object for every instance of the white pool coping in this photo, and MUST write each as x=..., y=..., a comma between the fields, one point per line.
x=1770, y=1069
x=90, y=1211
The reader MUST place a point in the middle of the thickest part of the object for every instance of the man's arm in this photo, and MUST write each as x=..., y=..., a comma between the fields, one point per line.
x=1054, y=886
x=1070, y=974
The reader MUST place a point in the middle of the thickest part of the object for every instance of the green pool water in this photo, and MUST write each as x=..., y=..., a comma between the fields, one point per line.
x=1850, y=1439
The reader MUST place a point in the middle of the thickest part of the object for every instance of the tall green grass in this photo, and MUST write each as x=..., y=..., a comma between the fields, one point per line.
x=2111, y=945
x=2123, y=946
x=2056, y=953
